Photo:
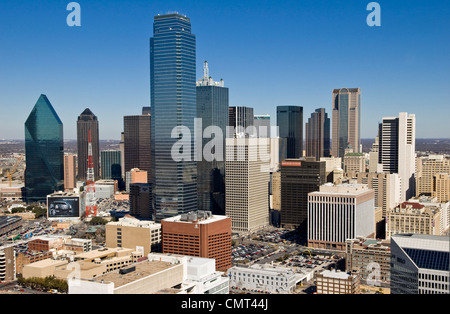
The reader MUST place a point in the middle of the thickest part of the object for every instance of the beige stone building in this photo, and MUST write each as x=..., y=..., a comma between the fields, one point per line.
x=130, y=232
x=247, y=183
x=441, y=187
x=336, y=282
x=70, y=172
x=426, y=169
x=85, y=265
x=354, y=163
x=371, y=258
x=415, y=218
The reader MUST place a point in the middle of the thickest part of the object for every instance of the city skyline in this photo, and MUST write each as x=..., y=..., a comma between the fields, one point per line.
x=85, y=67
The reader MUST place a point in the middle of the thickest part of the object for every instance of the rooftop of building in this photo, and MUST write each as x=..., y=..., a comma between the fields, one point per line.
x=346, y=189
x=142, y=270
x=130, y=221
x=200, y=217
x=337, y=274
x=422, y=241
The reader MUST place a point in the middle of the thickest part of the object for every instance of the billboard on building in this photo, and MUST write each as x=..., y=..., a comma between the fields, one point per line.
x=63, y=207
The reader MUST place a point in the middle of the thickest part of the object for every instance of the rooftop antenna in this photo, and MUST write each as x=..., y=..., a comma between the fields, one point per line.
x=205, y=70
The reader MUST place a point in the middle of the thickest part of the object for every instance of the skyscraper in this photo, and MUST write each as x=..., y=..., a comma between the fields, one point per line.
x=111, y=165
x=137, y=142
x=290, y=127
x=87, y=121
x=44, y=150
x=346, y=121
x=247, y=183
x=241, y=119
x=298, y=178
x=174, y=108
x=262, y=125
x=318, y=135
x=70, y=172
x=212, y=109
x=397, y=146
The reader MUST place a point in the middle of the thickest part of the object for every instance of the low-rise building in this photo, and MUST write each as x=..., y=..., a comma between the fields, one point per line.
x=336, y=282
x=130, y=232
x=371, y=258
x=411, y=217
x=158, y=274
x=266, y=278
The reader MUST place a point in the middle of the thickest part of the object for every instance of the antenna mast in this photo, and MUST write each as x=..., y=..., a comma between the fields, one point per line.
x=91, y=201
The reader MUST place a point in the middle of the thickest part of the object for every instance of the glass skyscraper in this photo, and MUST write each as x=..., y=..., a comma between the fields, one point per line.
x=87, y=123
x=173, y=107
x=44, y=150
x=212, y=109
x=290, y=127
x=111, y=165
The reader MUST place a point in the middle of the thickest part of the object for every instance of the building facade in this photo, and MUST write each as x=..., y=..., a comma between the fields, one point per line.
x=341, y=212
x=137, y=143
x=346, y=120
x=298, y=178
x=212, y=109
x=247, y=183
x=88, y=123
x=290, y=127
x=397, y=150
x=199, y=234
x=420, y=264
x=44, y=150
x=317, y=135
x=173, y=108
x=111, y=167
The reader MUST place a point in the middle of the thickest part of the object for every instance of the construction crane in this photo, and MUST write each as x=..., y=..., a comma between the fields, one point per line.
x=13, y=171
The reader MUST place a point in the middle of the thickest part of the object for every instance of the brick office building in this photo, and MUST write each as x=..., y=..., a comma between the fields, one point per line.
x=199, y=234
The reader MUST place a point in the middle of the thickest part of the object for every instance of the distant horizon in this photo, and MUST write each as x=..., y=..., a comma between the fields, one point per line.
x=268, y=54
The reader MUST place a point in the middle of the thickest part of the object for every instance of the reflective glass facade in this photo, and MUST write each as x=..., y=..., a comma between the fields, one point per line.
x=212, y=108
x=173, y=104
x=44, y=149
x=290, y=127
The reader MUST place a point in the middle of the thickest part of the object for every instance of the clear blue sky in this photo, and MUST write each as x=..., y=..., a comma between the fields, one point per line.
x=269, y=52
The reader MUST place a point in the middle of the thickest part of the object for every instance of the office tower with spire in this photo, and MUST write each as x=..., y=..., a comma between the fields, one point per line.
x=137, y=142
x=87, y=123
x=290, y=127
x=173, y=108
x=346, y=121
x=317, y=131
x=44, y=151
x=397, y=150
x=212, y=109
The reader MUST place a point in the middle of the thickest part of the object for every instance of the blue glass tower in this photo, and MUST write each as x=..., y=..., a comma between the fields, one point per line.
x=173, y=104
x=44, y=150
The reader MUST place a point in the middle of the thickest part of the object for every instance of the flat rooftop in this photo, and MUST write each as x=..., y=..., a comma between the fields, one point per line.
x=143, y=269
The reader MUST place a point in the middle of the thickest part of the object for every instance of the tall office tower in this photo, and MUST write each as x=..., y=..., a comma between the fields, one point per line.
x=199, y=234
x=346, y=121
x=420, y=264
x=87, y=121
x=262, y=125
x=137, y=143
x=122, y=153
x=427, y=168
x=70, y=172
x=317, y=134
x=340, y=212
x=44, y=152
x=298, y=178
x=111, y=168
x=397, y=137
x=247, y=183
x=174, y=109
x=240, y=121
x=387, y=187
x=290, y=127
x=441, y=187
x=212, y=109
x=373, y=156
x=141, y=200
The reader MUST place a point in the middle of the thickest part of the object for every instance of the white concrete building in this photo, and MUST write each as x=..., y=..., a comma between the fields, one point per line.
x=340, y=212
x=266, y=278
